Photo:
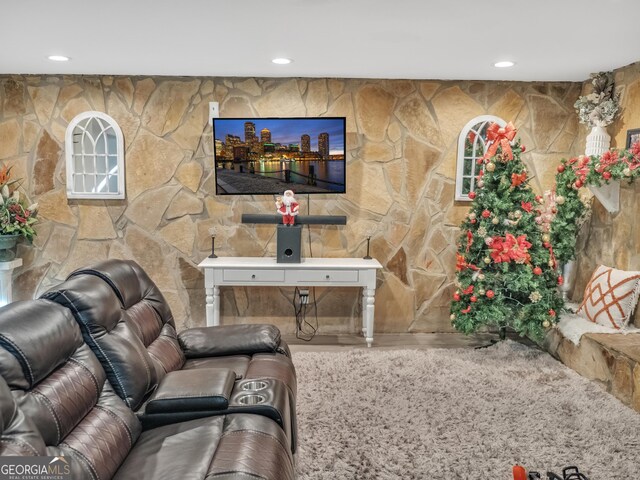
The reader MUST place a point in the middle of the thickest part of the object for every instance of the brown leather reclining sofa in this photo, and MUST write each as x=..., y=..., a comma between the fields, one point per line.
x=97, y=372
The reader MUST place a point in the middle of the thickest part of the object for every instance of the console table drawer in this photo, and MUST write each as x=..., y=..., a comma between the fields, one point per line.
x=233, y=275
x=346, y=276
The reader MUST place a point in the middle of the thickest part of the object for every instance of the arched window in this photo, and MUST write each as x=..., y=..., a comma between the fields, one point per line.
x=94, y=150
x=472, y=146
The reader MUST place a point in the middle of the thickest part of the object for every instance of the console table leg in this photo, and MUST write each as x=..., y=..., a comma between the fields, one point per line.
x=370, y=309
x=212, y=306
x=216, y=306
x=364, y=312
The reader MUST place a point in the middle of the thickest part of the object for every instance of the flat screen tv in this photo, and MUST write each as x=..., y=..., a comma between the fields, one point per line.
x=266, y=156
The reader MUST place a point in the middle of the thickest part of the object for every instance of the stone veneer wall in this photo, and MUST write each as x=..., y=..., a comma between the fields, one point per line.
x=614, y=239
x=402, y=141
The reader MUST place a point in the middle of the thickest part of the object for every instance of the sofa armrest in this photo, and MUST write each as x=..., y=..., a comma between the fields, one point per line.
x=202, y=389
x=231, y=340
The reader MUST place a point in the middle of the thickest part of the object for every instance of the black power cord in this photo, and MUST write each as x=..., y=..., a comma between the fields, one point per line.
x=305, y=330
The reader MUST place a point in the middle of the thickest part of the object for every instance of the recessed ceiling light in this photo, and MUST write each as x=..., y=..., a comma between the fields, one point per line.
x=58, y=58
x=504, y=64
x=282, y=61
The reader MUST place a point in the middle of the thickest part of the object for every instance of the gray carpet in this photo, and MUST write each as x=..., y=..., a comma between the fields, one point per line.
x=456, y=414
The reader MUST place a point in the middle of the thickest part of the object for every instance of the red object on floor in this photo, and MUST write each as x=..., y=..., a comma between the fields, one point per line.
x=519, y=473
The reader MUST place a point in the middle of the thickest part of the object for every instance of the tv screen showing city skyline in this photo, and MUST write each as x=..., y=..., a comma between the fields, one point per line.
x=286, y=130
x=270, y=155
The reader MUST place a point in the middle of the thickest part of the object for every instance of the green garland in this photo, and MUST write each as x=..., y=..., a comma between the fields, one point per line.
x=581, y=171
x=565, y=225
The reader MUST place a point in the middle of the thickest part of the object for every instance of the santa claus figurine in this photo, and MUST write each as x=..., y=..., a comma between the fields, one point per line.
x=287, y=207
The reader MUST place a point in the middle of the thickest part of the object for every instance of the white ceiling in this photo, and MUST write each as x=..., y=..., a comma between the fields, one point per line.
x=454, y=39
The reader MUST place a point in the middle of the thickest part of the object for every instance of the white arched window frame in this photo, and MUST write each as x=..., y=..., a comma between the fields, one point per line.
x=471, y=146
x=94, y=152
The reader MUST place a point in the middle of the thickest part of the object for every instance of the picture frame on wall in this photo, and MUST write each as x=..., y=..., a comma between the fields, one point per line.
x=633, y=136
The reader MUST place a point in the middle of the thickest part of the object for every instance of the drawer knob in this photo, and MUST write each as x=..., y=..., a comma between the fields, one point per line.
x=327, y=277
x=253, y=276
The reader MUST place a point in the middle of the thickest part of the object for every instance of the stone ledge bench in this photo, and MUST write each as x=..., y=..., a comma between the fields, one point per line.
x=613, y=360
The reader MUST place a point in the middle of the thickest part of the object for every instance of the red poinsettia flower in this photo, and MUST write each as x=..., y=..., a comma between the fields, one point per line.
x=510, y=248
x=520, y=247
x=461, y=263
x=498, y=253
x=456, y=297
x=466, y=310
x=581, y=169
x=635, y=161
x=552, y=312
x=518, y=178
x=608, y=158
x=526, y=206
x=490, y=294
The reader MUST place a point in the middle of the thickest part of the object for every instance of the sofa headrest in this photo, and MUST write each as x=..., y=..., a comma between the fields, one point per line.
x=130, y=283
x=18, y=435
x=92, y=301
x=104, y=327
x=35, y=338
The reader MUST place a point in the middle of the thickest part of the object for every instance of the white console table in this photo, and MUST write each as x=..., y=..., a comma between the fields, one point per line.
x=265, y=271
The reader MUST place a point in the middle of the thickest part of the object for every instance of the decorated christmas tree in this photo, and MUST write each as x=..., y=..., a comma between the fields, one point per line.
x=506, y=270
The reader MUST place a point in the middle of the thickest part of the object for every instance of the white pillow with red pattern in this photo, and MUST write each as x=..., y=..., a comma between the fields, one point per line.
x=610, y=297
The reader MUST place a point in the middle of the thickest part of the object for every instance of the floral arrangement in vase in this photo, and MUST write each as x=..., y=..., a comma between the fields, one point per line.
x=16, y=218
x=600, y=107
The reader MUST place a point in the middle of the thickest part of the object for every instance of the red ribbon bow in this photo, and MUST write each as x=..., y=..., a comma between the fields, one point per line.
x=501, y=137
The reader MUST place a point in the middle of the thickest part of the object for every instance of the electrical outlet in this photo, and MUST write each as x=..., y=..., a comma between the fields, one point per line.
x=304, y=296
x=214, y=112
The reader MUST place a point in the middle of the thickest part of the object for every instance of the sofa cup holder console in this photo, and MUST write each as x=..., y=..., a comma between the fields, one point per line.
x=268, y=397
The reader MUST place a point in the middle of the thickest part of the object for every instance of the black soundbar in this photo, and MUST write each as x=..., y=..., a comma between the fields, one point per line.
x=300, y=219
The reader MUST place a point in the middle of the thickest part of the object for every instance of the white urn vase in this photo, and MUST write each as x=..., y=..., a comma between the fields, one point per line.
x=598, y=141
